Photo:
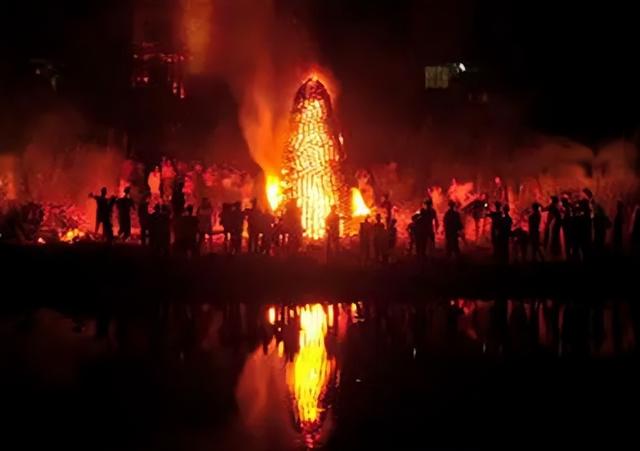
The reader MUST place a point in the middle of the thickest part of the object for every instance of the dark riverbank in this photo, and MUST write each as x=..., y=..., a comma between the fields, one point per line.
x=87, y=277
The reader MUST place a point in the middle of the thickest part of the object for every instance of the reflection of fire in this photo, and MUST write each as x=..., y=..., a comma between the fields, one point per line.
x=311, y=172
x=358, y=206
x=310, y=372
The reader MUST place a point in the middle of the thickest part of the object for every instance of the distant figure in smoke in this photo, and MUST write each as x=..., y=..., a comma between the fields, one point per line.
x=618, y=229
x=553, y=227
x=144, y=219
x=104, y=208
x=253, y=216
x=635, y=232
x=380, y=240
x=387, y=207
x=499, y=191
x=452, y=229
x=364, y=236
x=167, y=176
x=178, y=200
x=496, y=221
x=237, y=224
x=535, y=219
x=154, y=181
x=332, y=225
x=205, y=223
x=601, y=223
x=124, y=205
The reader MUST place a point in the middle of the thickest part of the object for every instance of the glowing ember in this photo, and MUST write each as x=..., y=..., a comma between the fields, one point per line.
x=309, y=374
x=274, y=193
x=72, y=235
x=312, y=160
x=272, y=315
x=358, y=206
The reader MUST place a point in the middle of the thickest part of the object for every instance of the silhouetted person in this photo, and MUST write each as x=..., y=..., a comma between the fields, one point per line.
x=332, y=225
x=535, y=219
x=292, y=225
x=380, y=240
x=124, y=204
x=144, y=219
x=478, y=209
x=177, y=199
x=237, y=224
x=496, y=220
x=205, y=223
x=506, y=223
x=520, y=238
x=568, y=228
x=392, y=233
x=618, y=229
x=584, y=228
x=226, y=223
x=553, y=227
x=425, y=231
x=601, y=223
x=452, y=229
x=186, y=242
x=253, y=216
x=411, y=231
x=364, y=235
x=267, y=221
x=104, y=208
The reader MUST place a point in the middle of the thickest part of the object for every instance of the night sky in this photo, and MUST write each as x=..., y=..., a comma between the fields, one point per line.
x=573, y=67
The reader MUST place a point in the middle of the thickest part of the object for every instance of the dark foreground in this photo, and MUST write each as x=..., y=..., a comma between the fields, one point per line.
x=93, y=278
x=110, y=350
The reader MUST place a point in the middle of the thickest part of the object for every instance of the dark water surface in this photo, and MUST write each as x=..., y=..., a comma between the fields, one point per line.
x=336, y=375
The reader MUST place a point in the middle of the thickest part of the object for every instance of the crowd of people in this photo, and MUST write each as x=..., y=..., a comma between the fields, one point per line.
x=574, y=229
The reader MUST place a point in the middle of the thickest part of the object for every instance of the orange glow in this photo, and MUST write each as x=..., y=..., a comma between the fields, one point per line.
x=272, y=315
x=330, y=316
x=196, y=30
x=358, y=206
x=311, y=170
x=311, y=370
x=274, y=193
x=71, y=235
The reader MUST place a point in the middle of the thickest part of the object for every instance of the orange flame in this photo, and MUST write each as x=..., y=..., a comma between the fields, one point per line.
x=274, y=193
x=311, y=172
x=358, y=206
x=272, y=315
x=310, y=372
x=71, y=235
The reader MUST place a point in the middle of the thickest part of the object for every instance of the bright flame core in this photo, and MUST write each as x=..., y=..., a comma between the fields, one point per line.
x=274, y=194
x=358, y=206
x=312, y=161
x=310, y=372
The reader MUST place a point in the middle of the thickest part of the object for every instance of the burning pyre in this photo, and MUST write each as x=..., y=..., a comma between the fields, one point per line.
x=312, y=163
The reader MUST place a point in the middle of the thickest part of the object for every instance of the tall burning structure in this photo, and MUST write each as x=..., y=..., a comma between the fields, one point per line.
x=312, y=161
